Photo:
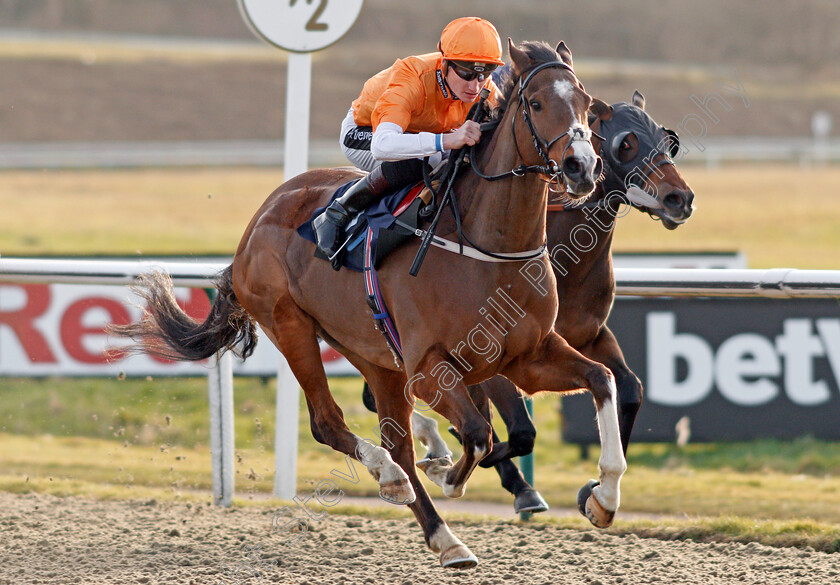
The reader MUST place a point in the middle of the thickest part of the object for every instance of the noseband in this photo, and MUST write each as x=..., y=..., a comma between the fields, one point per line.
x=550, y=166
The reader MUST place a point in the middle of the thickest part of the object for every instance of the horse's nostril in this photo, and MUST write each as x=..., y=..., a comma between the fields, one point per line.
x=674, y=200
x=599, y=167
x=571, y=167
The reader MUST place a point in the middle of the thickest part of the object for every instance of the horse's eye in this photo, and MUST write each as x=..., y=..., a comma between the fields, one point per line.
x=625, y=145
x=536, y=106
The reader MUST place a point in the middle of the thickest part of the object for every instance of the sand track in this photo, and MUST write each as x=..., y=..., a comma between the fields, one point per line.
x=45, y=539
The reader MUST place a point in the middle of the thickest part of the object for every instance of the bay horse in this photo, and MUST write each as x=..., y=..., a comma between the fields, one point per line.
x=276, y=281
x=639, y=170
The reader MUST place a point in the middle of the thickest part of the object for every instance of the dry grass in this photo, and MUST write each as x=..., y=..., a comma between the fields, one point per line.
x=189, y=211
x=91, y=50
x=707, y=494
x=780, y=216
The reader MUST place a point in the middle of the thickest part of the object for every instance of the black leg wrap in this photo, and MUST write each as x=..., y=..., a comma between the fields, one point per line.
x=399, y=173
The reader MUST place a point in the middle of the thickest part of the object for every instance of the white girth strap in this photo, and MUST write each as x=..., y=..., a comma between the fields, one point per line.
x=450, y=246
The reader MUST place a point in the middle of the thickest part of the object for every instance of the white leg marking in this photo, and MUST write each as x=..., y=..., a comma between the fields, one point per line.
x=426, y=429
x=454, y=490
x=443, y=539
x=457, y=490
x=437, y=470
x=378, y=462
x=611, y=464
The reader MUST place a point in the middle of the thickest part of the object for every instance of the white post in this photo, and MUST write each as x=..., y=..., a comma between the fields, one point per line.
x=220, y=390
x=296, y=158
x=298, y=87
x=286, y=433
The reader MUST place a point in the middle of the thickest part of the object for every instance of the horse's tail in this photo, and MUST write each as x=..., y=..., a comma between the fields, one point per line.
x=168, y=332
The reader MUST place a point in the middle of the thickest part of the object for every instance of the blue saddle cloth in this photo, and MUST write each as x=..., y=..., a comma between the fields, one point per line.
x=377, y=217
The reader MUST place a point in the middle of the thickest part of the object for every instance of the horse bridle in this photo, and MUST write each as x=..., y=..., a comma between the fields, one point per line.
x=550, y=168
x=647, y=170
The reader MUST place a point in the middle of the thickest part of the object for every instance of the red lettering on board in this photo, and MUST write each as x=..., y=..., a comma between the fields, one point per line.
x=22, y=323
x=73, y=330
x=330, y=355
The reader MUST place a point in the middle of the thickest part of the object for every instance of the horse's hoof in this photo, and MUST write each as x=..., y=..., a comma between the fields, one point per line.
x=397, y=492
x=597, y=514
x=458, y=557
x=530, y=501
x=590, y=507
x=454, y=491
x=584, y=493
x=424, y=464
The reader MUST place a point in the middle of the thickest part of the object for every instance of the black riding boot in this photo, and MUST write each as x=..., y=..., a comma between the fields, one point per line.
x=329, y=226
x=392, y=175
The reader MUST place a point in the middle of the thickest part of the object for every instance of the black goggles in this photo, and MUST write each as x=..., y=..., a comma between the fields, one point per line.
x=470, y=71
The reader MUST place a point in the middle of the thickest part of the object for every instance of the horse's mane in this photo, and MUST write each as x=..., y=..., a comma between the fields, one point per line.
x=539, y=52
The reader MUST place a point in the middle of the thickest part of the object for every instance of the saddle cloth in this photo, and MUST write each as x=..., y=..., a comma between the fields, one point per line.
x=377, y=222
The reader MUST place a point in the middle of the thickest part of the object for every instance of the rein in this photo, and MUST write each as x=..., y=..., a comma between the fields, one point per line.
x=550, y=168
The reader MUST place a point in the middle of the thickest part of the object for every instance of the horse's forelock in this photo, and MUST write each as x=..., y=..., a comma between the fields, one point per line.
x=538, y=52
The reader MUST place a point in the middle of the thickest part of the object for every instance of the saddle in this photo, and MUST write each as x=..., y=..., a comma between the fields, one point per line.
x=377, y=223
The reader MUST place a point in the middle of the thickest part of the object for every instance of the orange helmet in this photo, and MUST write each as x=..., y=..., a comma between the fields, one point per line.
x=471, y=39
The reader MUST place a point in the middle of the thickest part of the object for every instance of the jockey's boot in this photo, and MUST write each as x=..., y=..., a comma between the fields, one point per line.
x=329, y=226
x=387, y=177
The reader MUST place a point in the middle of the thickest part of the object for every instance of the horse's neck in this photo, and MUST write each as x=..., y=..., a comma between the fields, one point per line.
x=507, y=215
x=580, y=241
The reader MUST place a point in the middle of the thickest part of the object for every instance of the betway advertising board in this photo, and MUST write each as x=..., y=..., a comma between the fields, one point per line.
x=48, y=330
x=738, y=369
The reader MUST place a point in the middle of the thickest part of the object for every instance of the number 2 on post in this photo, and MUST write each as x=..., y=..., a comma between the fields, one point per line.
x=312, y=24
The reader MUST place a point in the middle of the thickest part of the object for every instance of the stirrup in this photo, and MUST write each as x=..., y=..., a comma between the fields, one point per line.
x=427, y=212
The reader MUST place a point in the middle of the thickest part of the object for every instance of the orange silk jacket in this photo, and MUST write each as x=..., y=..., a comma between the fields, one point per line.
x=413, y=95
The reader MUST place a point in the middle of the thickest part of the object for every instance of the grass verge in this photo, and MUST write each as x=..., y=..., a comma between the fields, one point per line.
x=779, y=215
x=138, y=438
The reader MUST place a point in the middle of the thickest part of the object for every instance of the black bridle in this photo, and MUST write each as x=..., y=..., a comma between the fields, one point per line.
x=620, y=171
x=550, y=166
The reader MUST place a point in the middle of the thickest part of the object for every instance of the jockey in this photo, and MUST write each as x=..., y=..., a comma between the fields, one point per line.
x=416, y=108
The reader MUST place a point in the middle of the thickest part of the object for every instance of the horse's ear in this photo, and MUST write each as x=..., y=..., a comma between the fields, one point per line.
x=638, y=100
x=520, y=58
x=602, y=110
x=565, y=54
